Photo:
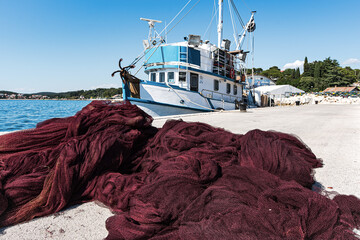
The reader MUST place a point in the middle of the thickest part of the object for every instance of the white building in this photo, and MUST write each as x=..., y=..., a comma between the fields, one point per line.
x=258, y=81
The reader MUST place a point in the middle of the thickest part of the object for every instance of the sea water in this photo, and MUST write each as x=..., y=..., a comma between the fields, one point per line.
x=25, y=114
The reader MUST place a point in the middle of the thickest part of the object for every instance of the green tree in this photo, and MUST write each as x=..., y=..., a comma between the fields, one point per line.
x=317, y=77
x=256, y=71
x=306, y=72
x=274, y=73
x=317, y=71
x=293, y=73
x=286, y=77
x=347, y=76
x=297, y=73
x=307, y=83
x=331, y=75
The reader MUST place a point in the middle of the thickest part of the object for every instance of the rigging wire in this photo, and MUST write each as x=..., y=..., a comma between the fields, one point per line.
x=248, y=47
x=233, y=24
x=159, y=44
x=252, y=35
x=237, y=13
x=186, y=98
x=176, y=16
x=246, y=5
x=214, y=14
x=142, y=54
x=184, y=15
x=252, y=54
x=217, y=19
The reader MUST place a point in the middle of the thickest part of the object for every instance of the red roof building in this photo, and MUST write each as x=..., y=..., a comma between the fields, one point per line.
x=341, y=89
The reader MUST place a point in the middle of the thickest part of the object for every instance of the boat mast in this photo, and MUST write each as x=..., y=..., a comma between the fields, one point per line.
x=220, y=24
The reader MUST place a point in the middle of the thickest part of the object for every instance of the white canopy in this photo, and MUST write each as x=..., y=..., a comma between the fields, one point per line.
x=278, y=90
x=275, y=91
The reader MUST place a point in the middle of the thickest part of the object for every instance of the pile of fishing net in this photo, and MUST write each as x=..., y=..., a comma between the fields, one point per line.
x=183, y=181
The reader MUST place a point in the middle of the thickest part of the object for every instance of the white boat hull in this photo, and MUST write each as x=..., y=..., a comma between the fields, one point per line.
x=163, y=100
x=157, y=110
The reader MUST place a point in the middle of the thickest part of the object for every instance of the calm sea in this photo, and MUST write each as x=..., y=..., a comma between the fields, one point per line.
x=25, y=114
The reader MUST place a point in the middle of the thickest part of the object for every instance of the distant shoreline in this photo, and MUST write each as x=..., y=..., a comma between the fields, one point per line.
x=57, y=99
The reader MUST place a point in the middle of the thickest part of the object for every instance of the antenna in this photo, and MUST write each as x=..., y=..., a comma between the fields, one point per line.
x=153, y=35
x=150, y=21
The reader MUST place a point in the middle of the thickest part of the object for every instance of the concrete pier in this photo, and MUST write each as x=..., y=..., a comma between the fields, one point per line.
x=331, y=131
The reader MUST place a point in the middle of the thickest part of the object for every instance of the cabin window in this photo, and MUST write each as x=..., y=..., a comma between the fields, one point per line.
x=153, y=77
x=216, y=85
x=171, y=78
x=162, y=77
x=182, y=76
x=194, y=82
x=228, y=88
x=235, y=90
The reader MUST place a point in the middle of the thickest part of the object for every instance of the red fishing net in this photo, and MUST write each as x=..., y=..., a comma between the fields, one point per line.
x=183, y=181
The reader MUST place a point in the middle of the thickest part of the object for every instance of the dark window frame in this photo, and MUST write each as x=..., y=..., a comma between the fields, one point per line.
x=173, y=77
x=182, y=76
x=163, y=75
x=152, y=78
x=216, y=85
x=228, y=88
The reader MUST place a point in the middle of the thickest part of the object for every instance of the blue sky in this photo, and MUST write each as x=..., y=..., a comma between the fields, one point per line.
x=62, y=45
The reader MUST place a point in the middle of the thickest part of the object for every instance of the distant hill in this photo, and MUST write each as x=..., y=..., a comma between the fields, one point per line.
x=88, y=94
x=7, y=92
x=43, y=93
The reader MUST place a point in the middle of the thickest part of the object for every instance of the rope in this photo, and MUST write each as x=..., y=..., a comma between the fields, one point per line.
x=214, y=14
x=233, y=24
x=148, y=58
x=190, y=100
x=198, y=104
x=253, y=46
x=246, y=5
x=252, y=54
x=184, y=15
x=176, y=16
x=237, y=13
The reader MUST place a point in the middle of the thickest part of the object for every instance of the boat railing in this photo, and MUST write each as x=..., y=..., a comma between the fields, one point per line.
x=218, y=96
x=178, y=63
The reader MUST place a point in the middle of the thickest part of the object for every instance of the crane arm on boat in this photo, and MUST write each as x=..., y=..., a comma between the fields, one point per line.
x=249, y=27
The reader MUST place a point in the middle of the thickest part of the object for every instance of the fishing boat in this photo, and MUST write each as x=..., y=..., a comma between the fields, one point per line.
x=190, y=76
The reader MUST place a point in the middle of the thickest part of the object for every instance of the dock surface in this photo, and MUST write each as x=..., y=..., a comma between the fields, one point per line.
x=331, y=131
